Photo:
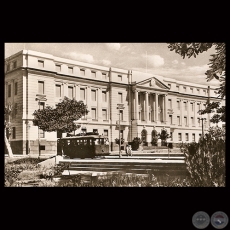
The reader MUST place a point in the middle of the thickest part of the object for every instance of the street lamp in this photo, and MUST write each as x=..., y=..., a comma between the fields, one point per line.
x=202, y=119
x=119, y=135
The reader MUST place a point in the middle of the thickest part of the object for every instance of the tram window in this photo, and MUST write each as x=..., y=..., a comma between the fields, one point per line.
x=68, y=142
x=102, y=141
x=85, y=142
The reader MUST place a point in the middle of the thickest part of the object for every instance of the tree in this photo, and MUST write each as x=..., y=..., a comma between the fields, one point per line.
x=62, y=117
x=164, y=136
x=216, y=70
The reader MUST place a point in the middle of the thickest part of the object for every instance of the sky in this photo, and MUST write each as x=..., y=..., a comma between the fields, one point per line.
x=151, y=58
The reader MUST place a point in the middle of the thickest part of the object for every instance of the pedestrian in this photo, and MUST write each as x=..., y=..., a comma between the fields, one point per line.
x=129, y=151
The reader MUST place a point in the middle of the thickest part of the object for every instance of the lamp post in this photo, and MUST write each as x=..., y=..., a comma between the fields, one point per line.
x=202, y=119
x=119, y=135
x=39, y=98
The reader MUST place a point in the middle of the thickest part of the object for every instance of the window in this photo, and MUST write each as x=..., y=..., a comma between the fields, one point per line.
x=93, y=95
x=8, y=67
x=198, y=91
x=199, y=135
x=204, y=91
x=104, y=114
x=15, y=109
x=178, y=105
x=41, y=105
x=82, y=94
x=171, y=135
x=93, y=113
x=185, y=105
x=184, y=89
x=191, y=90
x=41, y=133
x=119, y=77
x=179, y=136
x=192, y=120
x=193, y=137
x=95, y=131
x=121, y=133
x=170, y=103
x=15, y=64
x=58, y=90
x=178, y=120
x=104, y=76
x=185, y=120
x=139, y=99
x=14, y=132
x=93, y=74
x=104, y=99
x=70, y=92
x=58, y=68
x=169, y=85
x=121, y=115
x=177, y=87
x=170, y=119
x=120, y=97
x=82, y=72
x=41, y=87
x=9, y=90
x=83, y=129
x=186, y=136
x=70, y=70
x=192, y=107
x=106, y=132
x=15, y=88
x=198, y=106
x=40, y=64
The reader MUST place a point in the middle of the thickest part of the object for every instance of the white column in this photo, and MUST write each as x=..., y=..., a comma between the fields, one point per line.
x=188, y=113
x=195, y=113
x=156, y=108
x=146, y=106
x=99, y=108
x=88, y=101
x=136, y=105
x=181, y=113
x=165, y=108
x=77, y=92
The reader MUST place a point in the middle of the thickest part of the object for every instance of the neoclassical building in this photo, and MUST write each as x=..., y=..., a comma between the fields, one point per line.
x=143, y=102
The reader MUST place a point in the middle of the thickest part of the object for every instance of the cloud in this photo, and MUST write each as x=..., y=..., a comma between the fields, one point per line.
x=113, y=46
x=106, y=62
x=81, y=57
x=154, y=60
x=183, y=63
x=175, y=62
x=198, y=69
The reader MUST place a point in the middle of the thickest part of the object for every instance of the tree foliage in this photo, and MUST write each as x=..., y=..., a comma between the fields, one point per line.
x=60, y=118
x=205, y=160
x=217, y=70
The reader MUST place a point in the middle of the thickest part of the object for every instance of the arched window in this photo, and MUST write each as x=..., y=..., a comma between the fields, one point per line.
x=144, y=136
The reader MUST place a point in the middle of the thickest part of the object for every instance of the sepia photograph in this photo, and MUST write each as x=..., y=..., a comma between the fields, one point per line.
x=114, y=115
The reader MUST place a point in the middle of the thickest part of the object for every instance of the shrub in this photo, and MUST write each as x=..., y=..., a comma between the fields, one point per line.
x=154, y=141
x=117, y=141
x=205, y=160
x=164, y=136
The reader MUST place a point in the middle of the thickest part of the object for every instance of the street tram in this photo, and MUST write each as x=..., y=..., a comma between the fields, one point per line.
x=87, y=146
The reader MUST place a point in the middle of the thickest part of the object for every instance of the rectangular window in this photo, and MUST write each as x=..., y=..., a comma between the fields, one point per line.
x=192, y=107
x=185, y=120
x=82, y=72
x=93, y=113
x=179, y=136
x=104, y=76
x=104, y=114
x=171, y=135
x=9, y=90
x=41, y=133
x=95, y=131
x=192, y=120
x=185, y=106
x=178, y=105
x=198, y=91
x=198, y=106
x=41, y=87
x=193, y=137
x=184, y=89
x=178, y=88
x=40, y=64
x=122, y=134
x=93, y=95
x=204, y=91
x=169, y=85
x=119, y=77
x=15, y=64
x=93, y=74
x=170, y=119
x=15, y=109
x=178, y=120
x=58, y=68
x=106, y=133
x=8, y=67
x=70, y=92
x=58, y=90
x=104, y=99
x=15, y=88
x=191, y=90
x=82, y=94
x=70, y=70
x=199, y=135
x=120, y=98
x=14, y=132
x=121, y=115
x=139, y=99
x=186, y=136
x=41, y=105
x=170, y=103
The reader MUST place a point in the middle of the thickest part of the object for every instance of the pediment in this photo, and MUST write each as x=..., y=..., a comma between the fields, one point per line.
x=152, y=83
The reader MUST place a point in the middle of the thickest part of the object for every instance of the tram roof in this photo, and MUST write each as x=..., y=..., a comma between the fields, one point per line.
x=83, y=137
